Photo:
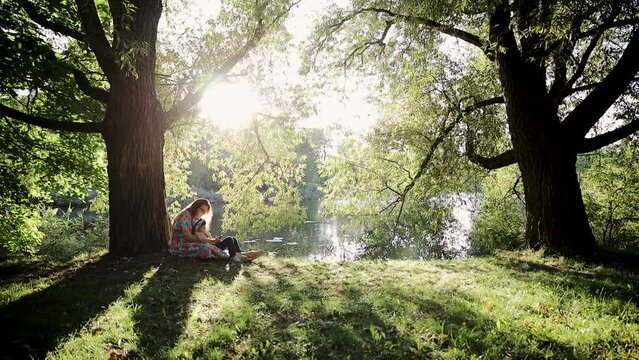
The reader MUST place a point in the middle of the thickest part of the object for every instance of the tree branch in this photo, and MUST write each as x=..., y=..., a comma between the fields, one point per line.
x=116, y=7
x=610, y=25
x=81, y=79
x=586, y=55
x=391, y=205
x=51, y=124
x=443, y=28
x=589, y=86
x=514, y=191
x=181, y=107
x=589, y=111
x=484, y=103
x=85, y=85
x=431, y=151
x=41, y=20
x=581, y=88
x=597, y=142
x=361, y=49
x=400, y=166
x=502, y=39
x=96, y=38
x=490, y=163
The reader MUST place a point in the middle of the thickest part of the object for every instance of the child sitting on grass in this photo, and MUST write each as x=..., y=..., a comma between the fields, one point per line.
x=229, y=243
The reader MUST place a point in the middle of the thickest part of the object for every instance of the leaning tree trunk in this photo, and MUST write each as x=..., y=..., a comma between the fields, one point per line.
x=135, y=139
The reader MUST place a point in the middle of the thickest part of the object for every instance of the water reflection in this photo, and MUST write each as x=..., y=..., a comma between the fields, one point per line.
x=322, y=239
x=315, y=239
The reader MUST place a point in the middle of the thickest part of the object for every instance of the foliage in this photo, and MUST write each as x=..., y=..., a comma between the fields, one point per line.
x=179, y=150
x=261, y=173
x=611, y=193
x=259, y=176
x=393, y=182
x=449, y=64
x=38, y=166
x=362, y=190
x=313, y=148
x=159, y=306
x=69, y=236
x=19, y=232
x=501, y=219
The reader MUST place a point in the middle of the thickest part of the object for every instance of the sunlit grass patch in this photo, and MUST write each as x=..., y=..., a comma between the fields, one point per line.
x=517, y=306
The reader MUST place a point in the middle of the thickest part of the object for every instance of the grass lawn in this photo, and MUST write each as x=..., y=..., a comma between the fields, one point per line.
x=512, y=306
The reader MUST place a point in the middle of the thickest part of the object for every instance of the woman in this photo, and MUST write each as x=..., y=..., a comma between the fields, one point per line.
x=229, y=243
x=184, y=242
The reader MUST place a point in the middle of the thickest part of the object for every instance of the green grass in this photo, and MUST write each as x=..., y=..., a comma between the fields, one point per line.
x=512, y=306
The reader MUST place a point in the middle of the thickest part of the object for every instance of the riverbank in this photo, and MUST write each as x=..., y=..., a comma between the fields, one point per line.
x=158, y=306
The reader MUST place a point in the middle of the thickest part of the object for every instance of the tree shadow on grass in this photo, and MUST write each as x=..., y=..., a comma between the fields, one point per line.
x=12, y=271
x=166, y=299
x=293, y=319
x=462, y=327
x=338, y=317
x=596, y=282
x=35, y=323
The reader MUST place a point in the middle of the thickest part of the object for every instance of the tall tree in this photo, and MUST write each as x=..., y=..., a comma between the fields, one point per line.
x=110, y=50
x=556, y=68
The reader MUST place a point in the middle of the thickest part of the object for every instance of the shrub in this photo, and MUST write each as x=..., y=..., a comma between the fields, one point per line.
x=611, y=196
x=68, y=235
x=19, y=233
x=500, y=224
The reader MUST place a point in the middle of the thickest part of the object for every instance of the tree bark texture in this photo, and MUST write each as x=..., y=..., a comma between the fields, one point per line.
x=135, y=140
x=134, y=136
x=555, y=213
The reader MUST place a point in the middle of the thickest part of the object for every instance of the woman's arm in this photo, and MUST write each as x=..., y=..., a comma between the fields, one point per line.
x=188, y=236
x=206, y=237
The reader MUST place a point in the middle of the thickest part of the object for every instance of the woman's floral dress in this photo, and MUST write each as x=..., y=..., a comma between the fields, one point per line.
x=179, y=245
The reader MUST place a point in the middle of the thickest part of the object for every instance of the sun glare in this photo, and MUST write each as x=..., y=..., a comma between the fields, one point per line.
x=229, y=105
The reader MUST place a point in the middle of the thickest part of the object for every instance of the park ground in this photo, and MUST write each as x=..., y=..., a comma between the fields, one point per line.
x=509, y=306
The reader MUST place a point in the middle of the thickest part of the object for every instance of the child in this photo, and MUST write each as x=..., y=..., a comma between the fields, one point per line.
x=229, y=243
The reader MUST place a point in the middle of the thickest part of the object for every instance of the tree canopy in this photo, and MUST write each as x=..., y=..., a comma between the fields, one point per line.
x=534, y=84
x=465, y=87
x=105, y=67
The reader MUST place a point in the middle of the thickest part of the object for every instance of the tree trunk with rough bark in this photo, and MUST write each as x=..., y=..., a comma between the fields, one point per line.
x=555, y=214
x=556, y=218
x=135, y=138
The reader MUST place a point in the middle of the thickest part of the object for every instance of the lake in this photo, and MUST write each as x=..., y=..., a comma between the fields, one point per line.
x=320, y=238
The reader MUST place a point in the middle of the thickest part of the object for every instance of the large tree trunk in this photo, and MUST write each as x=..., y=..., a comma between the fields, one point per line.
x=135, y=139
x=134, y=136
x=555, y=214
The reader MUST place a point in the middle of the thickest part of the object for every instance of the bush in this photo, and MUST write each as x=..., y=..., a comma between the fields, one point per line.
x=611, y=196
x=67, y=236
x=500, y=224
x=19, y=233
